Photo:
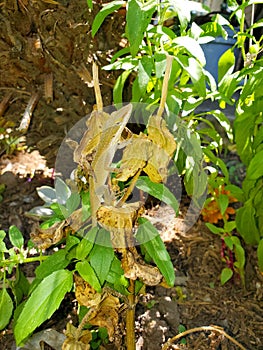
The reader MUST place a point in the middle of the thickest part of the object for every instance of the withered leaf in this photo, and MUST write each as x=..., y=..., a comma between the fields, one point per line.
x=85, y=294
x=44, y=238
x=143, y=154
x=135, y=268
x=159, y=134
x=76, y=340
x=119, y=221
x=107, y=315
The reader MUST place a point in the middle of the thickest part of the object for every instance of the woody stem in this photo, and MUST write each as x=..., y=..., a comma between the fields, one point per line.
x=130, y=318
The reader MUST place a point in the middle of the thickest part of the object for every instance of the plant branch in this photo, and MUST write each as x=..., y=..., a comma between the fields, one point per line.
x=201, y=329
x=169, y=61
x=130, y=318
x=8, y=262
x=95, y=74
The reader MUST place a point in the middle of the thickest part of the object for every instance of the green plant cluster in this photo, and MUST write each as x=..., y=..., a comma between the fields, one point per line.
x=143, y=64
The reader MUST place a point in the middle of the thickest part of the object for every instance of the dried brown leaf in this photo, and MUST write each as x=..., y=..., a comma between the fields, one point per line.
x=76, y=340
x=159, y=134
x=85, y=294
x=107, y=315
x=119, y=221
x=135, y=268
x=44, y=238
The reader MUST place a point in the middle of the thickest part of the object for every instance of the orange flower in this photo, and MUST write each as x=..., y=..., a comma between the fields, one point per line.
x=211, y=213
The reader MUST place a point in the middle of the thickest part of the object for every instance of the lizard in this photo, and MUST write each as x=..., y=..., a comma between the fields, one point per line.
x=104, y=154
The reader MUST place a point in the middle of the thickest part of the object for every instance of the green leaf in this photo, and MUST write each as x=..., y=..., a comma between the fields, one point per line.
x=86, y=212
x=239, y=253
x=73, y=202
x=260, y=255
x=159, y=191
x=2, y=235
x=139, y=15
x=86, y=244
x=144, y=73
x=119, y=85
x=104, y=12
x=16, y=237
x=229, y=242
x=116, y=276
x=56, y=261
x=3, y=247
x=236, y=192
x=63, y=192
x=20, y=286
x=42, y=303
x=246, y=224
x=255, y=168
x=226, y=275
x=88, y=274
x=148, y=236
x=228, y=85
x=223, y=202
x=192, y=46
x=215, y=229
x=100, y=259
x=217, y=161
x=226, y=64
x=47, y=194
x=6, y=308
x=195, y=71
x=183, y=9
x=229, y=226
x=90, y=4
x=223, y=121
x=2, y=243
x=122, y=52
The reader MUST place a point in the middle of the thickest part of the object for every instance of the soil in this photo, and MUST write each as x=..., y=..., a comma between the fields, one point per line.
x=46, y=49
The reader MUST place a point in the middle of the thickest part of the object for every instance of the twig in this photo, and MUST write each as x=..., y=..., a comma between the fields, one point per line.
x=24, y=125
x=130, y=189
x=95, y=73
x=48, y=87
x=201, y=329
x=84, y=320
x=4, y=103
x=169, y=61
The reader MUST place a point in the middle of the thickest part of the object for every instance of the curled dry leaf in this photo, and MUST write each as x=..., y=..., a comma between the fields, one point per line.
x=107, y=315
x=159, y=134
x=105, y=307
x=85, y=294
x=45, y=238
x=135, y=268
x=119, y=221
x=150, y=154
x=76, y=340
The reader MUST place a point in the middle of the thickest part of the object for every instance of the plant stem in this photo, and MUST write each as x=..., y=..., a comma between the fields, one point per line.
x=7, y=262
x=130, y=318
x=95, y=73
x=169, y=61
x=201, y=329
